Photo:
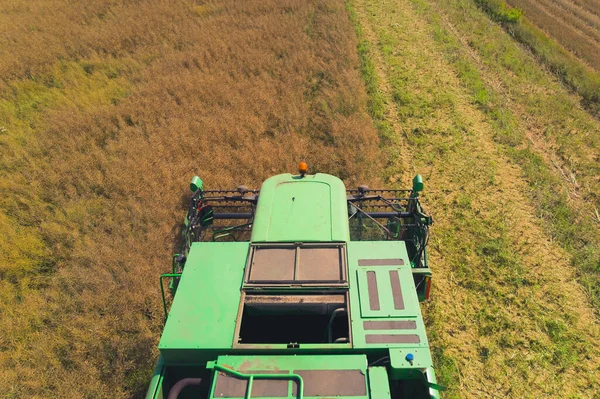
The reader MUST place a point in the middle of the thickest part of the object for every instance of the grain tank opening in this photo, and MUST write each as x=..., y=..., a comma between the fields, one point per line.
x=294, y=319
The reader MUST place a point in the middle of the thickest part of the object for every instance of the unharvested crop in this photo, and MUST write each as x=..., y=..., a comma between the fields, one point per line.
x=106, y=110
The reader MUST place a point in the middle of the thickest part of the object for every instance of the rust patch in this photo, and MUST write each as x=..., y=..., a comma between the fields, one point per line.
x=260, y=299
x=250, y=364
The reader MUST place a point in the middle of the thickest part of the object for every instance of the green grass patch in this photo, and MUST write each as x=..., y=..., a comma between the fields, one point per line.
x=376, y=102
x=500, y=11
x=576, y=234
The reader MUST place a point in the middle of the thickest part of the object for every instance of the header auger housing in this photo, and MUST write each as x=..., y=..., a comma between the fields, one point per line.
x=299, y=289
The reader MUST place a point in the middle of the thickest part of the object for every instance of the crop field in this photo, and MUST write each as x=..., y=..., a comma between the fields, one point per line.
x=107, y=108
x=575, y=24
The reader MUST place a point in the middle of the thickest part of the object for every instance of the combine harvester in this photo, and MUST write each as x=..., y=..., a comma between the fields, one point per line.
x=302, y=290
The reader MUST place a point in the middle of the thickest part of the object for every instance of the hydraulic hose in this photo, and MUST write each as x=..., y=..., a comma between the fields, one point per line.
x=330, y=324
x=184, y=382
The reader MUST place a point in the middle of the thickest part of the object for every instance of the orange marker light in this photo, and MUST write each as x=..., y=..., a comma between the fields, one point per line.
x=302, y=168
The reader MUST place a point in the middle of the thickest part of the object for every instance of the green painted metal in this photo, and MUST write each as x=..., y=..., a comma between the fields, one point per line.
x=196, y=184
x=204, y=310
x=420, y=368
x=379, y=385
x=174, y=263
x=401, y=368
x=417, y=185
x=156, y=381
x=387, y=309
x=173, y=282
x=291, y=208
x=359, y=294
x=162, y=289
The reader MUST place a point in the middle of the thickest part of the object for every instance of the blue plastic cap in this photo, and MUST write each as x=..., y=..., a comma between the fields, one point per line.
x=410, y=357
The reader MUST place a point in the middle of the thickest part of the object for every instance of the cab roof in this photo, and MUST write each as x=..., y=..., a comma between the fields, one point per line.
x=293, y=208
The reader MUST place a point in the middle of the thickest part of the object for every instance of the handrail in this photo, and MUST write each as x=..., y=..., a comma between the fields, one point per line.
x=429, y=384
x=172, y=286
x=251, y=377
x=175, y=256
x=162, y=289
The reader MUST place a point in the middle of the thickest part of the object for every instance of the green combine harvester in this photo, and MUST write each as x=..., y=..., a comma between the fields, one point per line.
x=300, y=290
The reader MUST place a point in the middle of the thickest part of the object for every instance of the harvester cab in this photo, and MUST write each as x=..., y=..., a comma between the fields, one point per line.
x=301, y=289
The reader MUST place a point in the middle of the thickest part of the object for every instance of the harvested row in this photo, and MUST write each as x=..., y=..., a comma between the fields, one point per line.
x=589, y=18
x=107, y=110
x=561, y=157
x=592, y=6
x=585, y=23
x=566, y=28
